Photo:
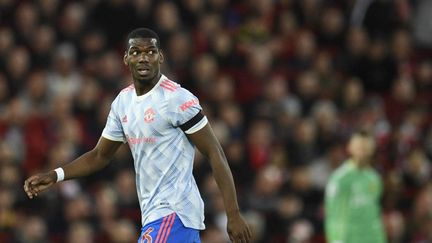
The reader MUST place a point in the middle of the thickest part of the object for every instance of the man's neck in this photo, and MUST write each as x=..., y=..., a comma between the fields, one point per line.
x=143, y=88
x=360, y=164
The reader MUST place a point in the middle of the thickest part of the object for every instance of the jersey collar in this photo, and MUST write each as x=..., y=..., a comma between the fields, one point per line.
x=142, y=97
x=353, y=165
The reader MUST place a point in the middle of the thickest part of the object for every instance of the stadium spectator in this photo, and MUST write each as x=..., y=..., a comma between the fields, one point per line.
x=317, y=71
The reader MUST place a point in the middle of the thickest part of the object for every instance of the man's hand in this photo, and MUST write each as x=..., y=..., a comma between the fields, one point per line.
x=238, y=230
x=38, y=183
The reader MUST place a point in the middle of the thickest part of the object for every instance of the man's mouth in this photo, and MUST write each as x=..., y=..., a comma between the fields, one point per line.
x=143, y=71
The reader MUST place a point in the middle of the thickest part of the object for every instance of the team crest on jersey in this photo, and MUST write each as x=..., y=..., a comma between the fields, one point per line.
x=149, y=115
x=372, y=187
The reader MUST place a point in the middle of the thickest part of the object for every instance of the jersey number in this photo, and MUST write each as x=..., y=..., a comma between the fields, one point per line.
x=146, y=236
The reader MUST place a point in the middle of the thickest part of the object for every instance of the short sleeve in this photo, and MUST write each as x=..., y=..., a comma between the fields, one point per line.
x=113, y=129
x=336, y=210
x=185, y=112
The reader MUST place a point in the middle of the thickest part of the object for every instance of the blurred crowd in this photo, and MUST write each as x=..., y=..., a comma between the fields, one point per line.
x=284, y=83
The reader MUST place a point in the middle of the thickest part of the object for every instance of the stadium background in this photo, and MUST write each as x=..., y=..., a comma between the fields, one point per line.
x=284, y=83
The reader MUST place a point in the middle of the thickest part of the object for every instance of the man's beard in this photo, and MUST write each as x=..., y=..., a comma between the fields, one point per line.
x=145, y=81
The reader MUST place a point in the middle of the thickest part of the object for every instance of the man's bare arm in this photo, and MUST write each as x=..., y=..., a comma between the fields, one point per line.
x=93, y=160
x=86, y=164
x=209, y=146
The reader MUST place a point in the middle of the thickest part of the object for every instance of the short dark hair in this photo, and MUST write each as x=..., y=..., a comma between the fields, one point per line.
x=362, y=133
x=143, y=33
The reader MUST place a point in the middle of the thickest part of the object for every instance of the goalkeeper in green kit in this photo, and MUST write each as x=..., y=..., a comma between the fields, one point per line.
x=352, y=197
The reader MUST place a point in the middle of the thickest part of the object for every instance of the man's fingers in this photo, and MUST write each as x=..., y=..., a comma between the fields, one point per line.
x=246, y=236
x=230, y=235
x=234, y=238
x=26, y=185
x=26, y=188
x=238, y=239
x=242, y=238
x=248, y=232
x=29, y=193
x=31, y=186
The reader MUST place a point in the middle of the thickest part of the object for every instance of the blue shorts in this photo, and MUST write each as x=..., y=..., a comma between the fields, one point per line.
x=168, y=229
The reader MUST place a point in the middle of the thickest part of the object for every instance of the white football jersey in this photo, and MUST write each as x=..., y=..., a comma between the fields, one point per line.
x=154, y=126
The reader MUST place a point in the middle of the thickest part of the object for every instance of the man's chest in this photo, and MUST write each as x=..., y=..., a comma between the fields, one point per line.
x=364, y=190
x=144, y=123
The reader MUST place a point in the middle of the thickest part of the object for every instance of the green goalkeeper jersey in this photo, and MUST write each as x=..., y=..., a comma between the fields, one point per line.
x=352, y=210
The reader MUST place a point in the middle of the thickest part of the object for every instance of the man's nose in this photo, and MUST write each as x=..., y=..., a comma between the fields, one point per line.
x=143, y=58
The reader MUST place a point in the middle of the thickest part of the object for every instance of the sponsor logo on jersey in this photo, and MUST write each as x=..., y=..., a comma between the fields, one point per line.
x=124, y=119
x=189, y=104
x=140, y=140
x=149, y=115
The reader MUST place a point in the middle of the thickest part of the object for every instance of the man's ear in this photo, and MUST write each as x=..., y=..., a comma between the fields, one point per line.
x=161, y=57
x=125, y=59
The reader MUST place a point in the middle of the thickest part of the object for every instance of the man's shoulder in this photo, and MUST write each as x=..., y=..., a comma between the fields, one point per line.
x=124, y=95
x=175, y=94
x=129, y=88
x=374, y=174
x=174, y=91
x=342, y=172
x=168, y=86
x=125, y=92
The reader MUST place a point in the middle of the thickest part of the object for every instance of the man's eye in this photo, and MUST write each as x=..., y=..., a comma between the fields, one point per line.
x=151, y=52
x=134, y=53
